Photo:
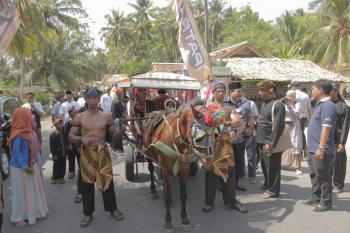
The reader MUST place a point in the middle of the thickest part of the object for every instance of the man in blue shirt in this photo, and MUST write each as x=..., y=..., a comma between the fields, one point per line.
x=242, y=107
x=320, y=138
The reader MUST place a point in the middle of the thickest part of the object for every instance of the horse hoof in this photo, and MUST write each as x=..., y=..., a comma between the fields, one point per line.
x=187, y=227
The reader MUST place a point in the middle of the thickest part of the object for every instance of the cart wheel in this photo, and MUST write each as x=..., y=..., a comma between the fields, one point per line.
x=193, y=168
x=4, y=164
x=129, y=163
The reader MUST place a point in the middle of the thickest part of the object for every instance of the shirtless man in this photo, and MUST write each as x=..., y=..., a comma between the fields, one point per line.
x=89, y=128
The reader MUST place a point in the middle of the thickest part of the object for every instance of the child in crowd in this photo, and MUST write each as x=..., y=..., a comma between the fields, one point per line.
x=58, y=152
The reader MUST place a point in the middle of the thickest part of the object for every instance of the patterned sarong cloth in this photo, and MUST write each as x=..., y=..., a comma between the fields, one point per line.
x=223, y=158
x=96, y=166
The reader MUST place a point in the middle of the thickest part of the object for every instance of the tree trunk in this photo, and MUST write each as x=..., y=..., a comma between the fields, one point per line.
x=22, y=80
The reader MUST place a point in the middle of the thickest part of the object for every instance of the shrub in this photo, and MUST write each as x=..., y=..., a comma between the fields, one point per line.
x=43, y=97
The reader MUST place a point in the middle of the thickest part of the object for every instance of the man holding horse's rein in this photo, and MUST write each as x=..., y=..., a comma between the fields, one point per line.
x=89, y=129
x=221, y=169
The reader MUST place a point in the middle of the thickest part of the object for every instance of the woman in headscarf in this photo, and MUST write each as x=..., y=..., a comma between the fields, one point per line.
x=28, y=196
x=292, y=157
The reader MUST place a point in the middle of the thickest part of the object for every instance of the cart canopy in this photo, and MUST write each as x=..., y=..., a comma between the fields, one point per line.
x=162, y=80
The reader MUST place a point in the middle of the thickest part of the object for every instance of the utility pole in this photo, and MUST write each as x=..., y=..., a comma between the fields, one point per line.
x=206, y=25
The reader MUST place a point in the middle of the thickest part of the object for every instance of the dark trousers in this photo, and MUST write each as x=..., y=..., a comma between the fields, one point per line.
x=109, y=201
x=257, y=155
x=1, y=221
x=72, y=154
x=321, y=179
x=79, y=180
x=251, y=156
x=59, y=168
x=260, y=151
x=273, y=173
x=303, y=125
x=239, y=152
x=118, y=141
x=339, y=169
x=227, y=189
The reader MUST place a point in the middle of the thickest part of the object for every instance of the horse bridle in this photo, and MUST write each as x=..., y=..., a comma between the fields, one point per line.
x=190, y=143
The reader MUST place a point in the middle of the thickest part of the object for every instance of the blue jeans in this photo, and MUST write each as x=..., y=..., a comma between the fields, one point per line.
x=251, y=156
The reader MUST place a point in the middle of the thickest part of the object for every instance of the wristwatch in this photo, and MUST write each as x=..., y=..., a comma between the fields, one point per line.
x=321, y=149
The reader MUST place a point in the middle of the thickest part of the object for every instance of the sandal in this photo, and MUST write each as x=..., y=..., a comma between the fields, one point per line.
x=21, y=224
x=86, y=221
x=71, y=175
x=78, y=198
x=117, y=215
x=207, y=208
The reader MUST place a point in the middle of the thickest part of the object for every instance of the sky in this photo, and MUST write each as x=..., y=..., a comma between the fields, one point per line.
x=267, y=9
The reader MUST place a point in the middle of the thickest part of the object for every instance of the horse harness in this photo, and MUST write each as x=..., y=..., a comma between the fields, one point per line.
x=190, y=144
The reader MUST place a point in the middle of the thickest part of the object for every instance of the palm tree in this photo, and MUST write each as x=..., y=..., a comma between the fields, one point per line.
x=141, y=18
x=117, y=32
x=165, y=29
x=198, y=13
x=216, y=21
x=41, y=23
x=62, y=13
x=58, y=62
x=329, y=43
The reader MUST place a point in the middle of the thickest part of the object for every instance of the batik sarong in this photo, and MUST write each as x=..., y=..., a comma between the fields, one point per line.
x=96, y=166
x=223, y=158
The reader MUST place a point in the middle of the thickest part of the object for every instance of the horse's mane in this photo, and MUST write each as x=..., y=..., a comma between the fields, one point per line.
x=194, y=102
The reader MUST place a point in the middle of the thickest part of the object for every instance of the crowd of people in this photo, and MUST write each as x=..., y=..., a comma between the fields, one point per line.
x=273, y=135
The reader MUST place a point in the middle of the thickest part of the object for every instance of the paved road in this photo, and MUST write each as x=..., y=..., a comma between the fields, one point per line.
x=143, y=215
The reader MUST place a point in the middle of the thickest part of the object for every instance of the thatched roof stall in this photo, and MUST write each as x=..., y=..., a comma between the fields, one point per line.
x=282, y=71
x=279, y=70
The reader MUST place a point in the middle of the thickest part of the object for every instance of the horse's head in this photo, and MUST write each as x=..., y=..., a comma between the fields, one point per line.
x=201, y=136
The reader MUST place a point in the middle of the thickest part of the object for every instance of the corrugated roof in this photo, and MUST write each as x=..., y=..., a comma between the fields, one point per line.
x=162, y=80
x=167, y=67
x=278, y=69
x=110, y=79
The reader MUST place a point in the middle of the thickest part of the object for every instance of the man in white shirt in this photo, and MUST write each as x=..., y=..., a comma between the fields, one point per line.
x=106, y=101
x=251, y=143
x=37, y=110
x=55, y=111
x=69, y=104
x=302, y=106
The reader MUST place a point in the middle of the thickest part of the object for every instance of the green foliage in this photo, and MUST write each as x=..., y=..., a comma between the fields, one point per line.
x=11, y=93
x=43, y=97
x=54, y=47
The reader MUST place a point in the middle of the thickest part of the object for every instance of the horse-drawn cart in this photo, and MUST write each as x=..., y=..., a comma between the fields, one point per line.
x=184, y=87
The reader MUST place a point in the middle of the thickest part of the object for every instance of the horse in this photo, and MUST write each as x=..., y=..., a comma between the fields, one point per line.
x=179, y=139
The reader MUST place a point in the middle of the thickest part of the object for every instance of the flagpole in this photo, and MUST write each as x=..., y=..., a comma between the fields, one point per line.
x=206, y=25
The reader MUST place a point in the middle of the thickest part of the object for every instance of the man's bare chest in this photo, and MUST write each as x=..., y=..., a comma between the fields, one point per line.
x=98, y=122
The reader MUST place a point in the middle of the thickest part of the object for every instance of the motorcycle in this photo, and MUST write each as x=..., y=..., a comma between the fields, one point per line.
x=5, y=156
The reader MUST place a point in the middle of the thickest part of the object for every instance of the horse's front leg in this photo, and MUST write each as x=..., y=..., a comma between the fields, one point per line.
x=153, y=186
x=184, y=172
x=167, y=175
